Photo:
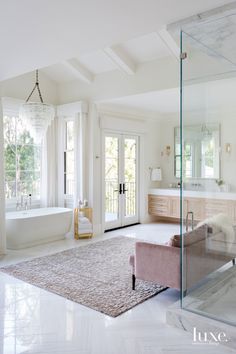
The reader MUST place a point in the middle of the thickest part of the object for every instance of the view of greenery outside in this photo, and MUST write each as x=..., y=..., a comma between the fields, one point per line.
x=206, y=162
x=22, y=159
x=208, y=158
x=187, y=161
x=111, y=178
x=69, y=158
x=130, y=176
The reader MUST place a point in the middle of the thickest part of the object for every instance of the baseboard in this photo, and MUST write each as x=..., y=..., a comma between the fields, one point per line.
x=97, y=229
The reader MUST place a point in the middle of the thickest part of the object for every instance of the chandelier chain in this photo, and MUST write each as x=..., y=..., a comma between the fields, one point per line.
x=36, y=86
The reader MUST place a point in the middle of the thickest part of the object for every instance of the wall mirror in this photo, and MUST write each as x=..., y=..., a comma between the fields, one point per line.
x=201, y=155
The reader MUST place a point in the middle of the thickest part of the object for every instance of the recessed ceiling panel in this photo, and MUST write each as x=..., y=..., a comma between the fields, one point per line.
x=146, y=48
x=97, y=62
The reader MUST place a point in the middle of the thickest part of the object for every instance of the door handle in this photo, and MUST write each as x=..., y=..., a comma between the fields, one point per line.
x=119, y=190
x=124, y=190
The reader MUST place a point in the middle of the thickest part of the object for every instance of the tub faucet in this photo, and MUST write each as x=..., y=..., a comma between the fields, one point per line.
x=30, y=200
x=21, y=201
x=18, y=205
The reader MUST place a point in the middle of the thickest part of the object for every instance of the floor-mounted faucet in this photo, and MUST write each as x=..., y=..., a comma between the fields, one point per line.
x=187, y=220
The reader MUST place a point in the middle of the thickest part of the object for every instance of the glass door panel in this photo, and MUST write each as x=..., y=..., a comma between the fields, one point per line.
x=111, y=180
x=207, y=119
x=130, y=177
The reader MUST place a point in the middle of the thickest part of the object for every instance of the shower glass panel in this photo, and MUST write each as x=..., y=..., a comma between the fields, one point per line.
x=208, y=168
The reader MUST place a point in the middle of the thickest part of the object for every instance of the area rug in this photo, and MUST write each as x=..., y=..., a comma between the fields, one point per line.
x=97, y=275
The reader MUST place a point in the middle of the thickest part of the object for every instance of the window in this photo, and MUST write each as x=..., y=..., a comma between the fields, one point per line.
x=22, y=159
x=69, y=156
x=187, y=160
x=208, y=158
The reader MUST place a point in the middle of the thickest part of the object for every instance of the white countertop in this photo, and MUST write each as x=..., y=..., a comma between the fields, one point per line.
x=193, y=194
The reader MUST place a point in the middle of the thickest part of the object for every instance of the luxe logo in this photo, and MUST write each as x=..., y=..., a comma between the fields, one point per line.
x=208, y=337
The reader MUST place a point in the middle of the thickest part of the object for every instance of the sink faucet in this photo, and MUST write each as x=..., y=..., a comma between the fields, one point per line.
x=30, y=200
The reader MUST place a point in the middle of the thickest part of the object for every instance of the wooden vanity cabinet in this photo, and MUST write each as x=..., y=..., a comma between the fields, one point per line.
x=216, y=206
x=202, y=208
x=158, y=205
x=164, y=206
x=196, y=206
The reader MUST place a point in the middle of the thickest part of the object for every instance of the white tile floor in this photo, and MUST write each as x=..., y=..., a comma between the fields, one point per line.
x=36, y=321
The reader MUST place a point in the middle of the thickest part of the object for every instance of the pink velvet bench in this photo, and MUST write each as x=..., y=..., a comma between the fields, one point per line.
x=161, y=263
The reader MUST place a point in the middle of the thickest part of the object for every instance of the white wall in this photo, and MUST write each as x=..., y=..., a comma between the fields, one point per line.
x=167, y=125
x=228, y=161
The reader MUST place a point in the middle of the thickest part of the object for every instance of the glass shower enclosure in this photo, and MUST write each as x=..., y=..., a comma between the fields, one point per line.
x=208, y=168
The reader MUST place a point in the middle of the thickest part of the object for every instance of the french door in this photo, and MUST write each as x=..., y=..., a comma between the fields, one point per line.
x=121, y=165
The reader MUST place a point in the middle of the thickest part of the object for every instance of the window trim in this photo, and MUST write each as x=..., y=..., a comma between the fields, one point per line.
x=67, y=119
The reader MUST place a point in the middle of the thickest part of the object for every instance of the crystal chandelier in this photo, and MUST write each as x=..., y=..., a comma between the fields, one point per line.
x=38, y=115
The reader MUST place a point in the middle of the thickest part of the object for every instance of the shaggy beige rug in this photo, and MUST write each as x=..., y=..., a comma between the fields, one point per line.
x=97, y=275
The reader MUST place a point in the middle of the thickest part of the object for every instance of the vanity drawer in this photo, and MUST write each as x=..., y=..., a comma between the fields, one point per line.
x=213, y=207
x=158, y=205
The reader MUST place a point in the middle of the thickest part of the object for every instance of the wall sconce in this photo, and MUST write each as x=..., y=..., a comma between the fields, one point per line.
x=167, y=150
x=228, y=148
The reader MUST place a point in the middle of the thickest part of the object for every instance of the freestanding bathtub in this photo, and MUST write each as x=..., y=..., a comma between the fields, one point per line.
x=36, y=226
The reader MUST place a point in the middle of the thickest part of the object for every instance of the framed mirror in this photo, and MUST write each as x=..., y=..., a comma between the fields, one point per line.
x=201, y=155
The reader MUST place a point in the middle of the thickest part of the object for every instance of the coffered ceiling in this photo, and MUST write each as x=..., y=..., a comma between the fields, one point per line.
x=39, y=34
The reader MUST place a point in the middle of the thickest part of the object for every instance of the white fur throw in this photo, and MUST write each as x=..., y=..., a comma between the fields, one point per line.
x=222, y=223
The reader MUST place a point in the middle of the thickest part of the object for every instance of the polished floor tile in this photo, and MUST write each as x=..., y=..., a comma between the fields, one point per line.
x=33, y=320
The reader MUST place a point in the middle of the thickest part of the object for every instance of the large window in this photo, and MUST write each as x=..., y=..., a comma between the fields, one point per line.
x=69, y=158
x=22, y=159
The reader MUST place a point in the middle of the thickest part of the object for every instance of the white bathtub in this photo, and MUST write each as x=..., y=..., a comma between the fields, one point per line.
x=36, y=226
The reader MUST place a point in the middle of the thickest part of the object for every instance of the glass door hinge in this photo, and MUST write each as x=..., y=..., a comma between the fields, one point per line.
x=183, y=55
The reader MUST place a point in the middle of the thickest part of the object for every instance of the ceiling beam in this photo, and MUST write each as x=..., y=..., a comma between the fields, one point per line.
x=168, y=40
x=79, y=70
x=120, y=59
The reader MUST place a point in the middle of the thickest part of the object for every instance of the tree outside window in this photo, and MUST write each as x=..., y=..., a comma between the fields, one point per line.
x=22, y=159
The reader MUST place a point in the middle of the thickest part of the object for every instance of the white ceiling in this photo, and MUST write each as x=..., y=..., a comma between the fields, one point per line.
x=37, y=34
x=146, y=48
x=97, y=62
x=203, y=97
x=59, y=73
x=138, y=50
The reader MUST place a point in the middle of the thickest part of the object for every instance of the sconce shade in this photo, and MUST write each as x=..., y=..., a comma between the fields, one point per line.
x=156, y=174
x=228, y=148
x=168, y=150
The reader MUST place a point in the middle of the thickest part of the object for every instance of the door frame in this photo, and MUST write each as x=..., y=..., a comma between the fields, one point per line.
x=104, y=133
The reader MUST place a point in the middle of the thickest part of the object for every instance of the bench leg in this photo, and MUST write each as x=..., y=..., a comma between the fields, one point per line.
x=233, y=261
x=133, y=282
